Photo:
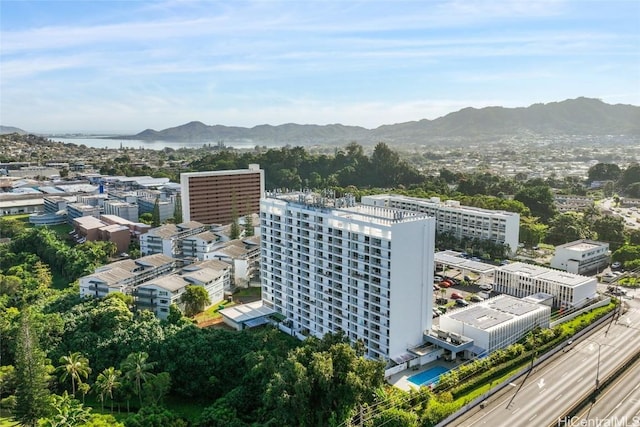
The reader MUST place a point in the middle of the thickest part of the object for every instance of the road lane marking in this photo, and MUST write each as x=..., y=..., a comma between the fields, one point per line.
x=534, y=415
x=558, y=396
x=580, y=379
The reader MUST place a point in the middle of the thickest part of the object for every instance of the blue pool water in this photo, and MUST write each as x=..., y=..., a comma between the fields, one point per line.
x=430, y=376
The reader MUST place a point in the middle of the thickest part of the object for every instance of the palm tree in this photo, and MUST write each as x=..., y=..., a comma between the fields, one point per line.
x=136, y=369
x=106, y=383
x=76, y=366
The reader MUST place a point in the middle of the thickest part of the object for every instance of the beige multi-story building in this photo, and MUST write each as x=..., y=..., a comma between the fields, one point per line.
x=216, y=197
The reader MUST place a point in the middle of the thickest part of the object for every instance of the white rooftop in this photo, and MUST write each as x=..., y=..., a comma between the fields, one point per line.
x=543, y=273
x=244, y=312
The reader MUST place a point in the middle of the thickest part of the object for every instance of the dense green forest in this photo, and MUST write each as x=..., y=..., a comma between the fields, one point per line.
x=62, y=356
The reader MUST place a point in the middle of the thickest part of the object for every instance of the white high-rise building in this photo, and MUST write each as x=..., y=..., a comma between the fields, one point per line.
x=499, y=227
x=330, y=265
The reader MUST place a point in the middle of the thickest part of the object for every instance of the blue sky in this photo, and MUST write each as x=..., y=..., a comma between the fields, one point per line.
x=124, y=66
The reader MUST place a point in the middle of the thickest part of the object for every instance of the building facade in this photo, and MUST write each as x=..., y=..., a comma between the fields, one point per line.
x=77, y=210
x=157, y=295
x=521, y=280
x=498, y=322
x=123, y=276
x=499, y=227
x=168, y=239
x=216, y=197
x=333, y=265
x=581, y=256
x=128, y=211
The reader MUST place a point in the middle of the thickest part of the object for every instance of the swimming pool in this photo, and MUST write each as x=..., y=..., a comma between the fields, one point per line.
x=430, y=376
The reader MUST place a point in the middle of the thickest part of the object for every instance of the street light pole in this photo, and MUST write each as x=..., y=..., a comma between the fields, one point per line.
x=597, y=389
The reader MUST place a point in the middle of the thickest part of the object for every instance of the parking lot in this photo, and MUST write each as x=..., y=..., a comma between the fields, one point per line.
x=471, y=288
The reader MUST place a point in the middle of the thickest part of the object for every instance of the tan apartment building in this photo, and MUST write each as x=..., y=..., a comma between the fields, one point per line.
x=215, y=197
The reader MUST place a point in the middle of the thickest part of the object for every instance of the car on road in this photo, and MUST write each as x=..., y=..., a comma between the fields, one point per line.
x=455, y=295
x=486, y=287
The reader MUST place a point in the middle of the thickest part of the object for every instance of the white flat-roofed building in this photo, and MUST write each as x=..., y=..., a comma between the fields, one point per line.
x=329, y=265
x=17, y=204
x=147, y=202
x=77, y=210
x=581, y=256
x=571, y=203
x=500, y=227
x=128, y=211
x=167, y=239
x=520, y=279
x=497, y=322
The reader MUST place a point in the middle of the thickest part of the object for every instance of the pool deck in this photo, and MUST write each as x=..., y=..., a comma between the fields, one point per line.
x=401, y=380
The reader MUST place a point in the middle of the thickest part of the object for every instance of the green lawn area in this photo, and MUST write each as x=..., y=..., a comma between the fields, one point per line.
x=248, y=292
x=212, y=312
x=61, y=230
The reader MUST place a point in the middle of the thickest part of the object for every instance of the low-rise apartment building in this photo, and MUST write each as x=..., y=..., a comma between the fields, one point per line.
x=158, y=294
x=123, y=276
x=168, y=239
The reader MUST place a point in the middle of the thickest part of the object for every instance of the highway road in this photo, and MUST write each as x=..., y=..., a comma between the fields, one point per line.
x=617, y=405
x=542, y=397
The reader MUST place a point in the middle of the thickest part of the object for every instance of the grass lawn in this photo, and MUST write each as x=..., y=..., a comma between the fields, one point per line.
x=61, y=230
x=212, y=312
x=248, y=292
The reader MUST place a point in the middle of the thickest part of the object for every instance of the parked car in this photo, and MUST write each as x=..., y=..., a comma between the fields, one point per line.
x=486, y=287
x=436, y=287
x=616, y=264
x=462, y=303
x=455, y=295
x=446, y=284
x=476, y=298
x=438, y=278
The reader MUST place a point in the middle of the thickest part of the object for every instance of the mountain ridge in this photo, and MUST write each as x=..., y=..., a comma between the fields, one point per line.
x=579, y=116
